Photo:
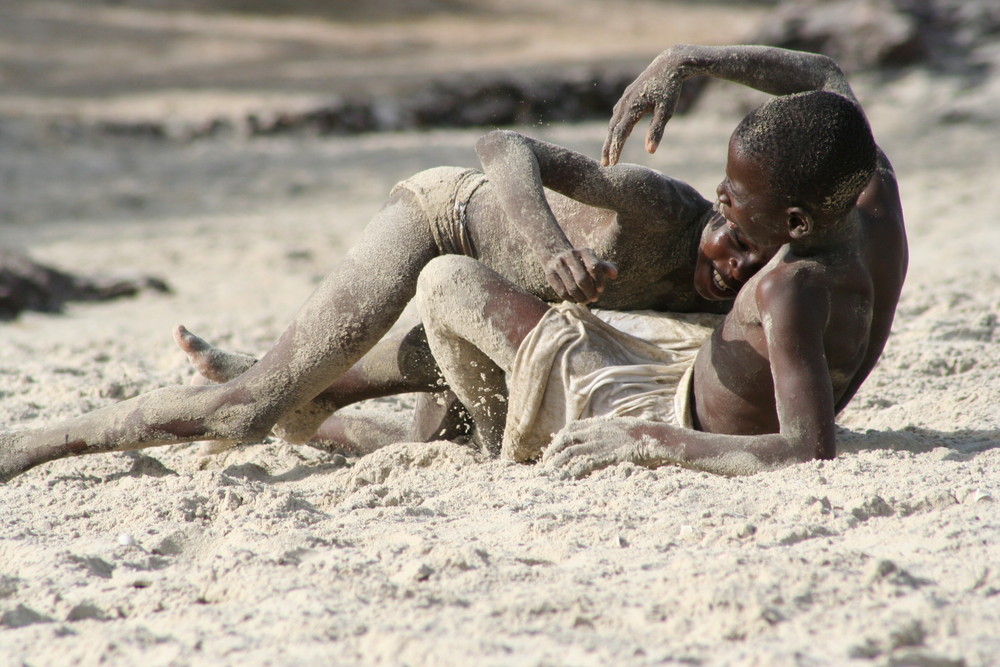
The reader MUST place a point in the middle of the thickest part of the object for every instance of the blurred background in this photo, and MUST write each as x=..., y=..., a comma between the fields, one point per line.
x=144, y=110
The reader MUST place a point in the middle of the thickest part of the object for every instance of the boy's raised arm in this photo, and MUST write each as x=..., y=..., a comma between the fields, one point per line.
x=519, y=168
x=770, y=69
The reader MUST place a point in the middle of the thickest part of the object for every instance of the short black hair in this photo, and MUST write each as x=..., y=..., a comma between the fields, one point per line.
x=817, y=148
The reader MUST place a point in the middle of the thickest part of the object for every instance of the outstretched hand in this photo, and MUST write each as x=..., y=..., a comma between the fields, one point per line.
x=657, y=90
x=578, y=275
x=588, y=445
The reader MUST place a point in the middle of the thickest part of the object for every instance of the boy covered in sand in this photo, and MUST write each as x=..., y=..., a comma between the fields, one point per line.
x=673, y=255
x=804, y=173
x=655, y=236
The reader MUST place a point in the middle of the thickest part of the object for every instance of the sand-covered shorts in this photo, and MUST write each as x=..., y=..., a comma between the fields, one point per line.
x=579, y=363
x=443, y=193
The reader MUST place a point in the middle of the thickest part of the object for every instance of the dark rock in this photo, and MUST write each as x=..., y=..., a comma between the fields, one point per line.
x=472, y=101
x=878, y=34
x=28, y=285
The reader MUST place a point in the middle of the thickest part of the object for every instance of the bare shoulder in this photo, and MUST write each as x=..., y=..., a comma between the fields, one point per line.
x=797, y=290
x=885, y=243
x=644, y=191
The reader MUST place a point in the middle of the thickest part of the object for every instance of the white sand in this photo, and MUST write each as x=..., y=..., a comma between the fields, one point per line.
x=421, y=554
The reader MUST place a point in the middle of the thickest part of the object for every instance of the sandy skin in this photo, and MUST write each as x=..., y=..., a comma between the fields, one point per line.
x=804, y=332
x=862, y=263
x=649, y=245
x=403, y=363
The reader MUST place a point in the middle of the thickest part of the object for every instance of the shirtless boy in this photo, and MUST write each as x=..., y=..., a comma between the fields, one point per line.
x=803, y=172
x=650, y=232
x=673, y=255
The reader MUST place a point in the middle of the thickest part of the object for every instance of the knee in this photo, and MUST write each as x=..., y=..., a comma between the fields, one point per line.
x=442, y=279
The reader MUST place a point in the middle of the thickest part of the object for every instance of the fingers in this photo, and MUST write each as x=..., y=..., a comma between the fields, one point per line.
x=575, y=457
x=630, y=109
x=602, y=272
x=568, y=288
x=618, y=133
x=577, y=275
x=656, y=91
x=661, y=114
x=570, y=272
x=610, y=154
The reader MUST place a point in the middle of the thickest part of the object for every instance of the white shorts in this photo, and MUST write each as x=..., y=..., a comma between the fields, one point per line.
x=576, y=364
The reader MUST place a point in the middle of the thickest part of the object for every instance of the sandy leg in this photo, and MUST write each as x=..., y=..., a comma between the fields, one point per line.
x=360, y=432
x=475, y=322
x=346, y=315
x=398, y=364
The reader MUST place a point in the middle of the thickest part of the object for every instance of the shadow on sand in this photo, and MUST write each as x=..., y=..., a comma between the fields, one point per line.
x=964, y=444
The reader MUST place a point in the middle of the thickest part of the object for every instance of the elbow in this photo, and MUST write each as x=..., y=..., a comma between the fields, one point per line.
x=826, y=451
x=833, y=76
x=493, y=142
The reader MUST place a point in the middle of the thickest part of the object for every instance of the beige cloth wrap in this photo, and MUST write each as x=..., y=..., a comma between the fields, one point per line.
x=579, y=363
x=443, y=193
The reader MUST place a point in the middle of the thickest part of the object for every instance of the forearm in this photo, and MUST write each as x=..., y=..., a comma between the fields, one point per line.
x=770, y=69
x=591, y=444
x=659, y=444
x=514, y=171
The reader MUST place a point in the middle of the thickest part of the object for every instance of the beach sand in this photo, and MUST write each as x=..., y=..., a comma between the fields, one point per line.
x=424, y=554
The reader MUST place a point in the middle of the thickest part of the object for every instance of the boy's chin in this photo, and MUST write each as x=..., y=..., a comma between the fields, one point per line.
x=709, y=294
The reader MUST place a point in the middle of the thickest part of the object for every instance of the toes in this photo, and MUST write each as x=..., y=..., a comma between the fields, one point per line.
x=188, y=342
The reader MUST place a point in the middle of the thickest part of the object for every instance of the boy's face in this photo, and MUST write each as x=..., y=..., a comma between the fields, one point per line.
x=725, y=260
x=743, y=234
x=745, y=204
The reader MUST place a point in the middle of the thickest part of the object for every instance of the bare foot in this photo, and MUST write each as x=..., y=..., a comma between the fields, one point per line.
x=213, y=365
x=13, y=459
x=210, y=363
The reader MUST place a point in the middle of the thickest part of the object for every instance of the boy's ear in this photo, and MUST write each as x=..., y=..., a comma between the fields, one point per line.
x=800, y=223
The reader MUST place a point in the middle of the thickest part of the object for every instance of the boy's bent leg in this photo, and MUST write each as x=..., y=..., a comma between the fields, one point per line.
x=475, y=321
x=440, y=416
x=400, y=363
x=347, y=314
x=344, y=317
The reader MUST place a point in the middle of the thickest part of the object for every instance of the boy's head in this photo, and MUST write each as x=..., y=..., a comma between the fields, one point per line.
x=725, y=260
x=792, y=160
x=812, y=152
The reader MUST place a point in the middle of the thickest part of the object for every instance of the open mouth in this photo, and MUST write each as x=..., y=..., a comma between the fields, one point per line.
x=722, y=284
